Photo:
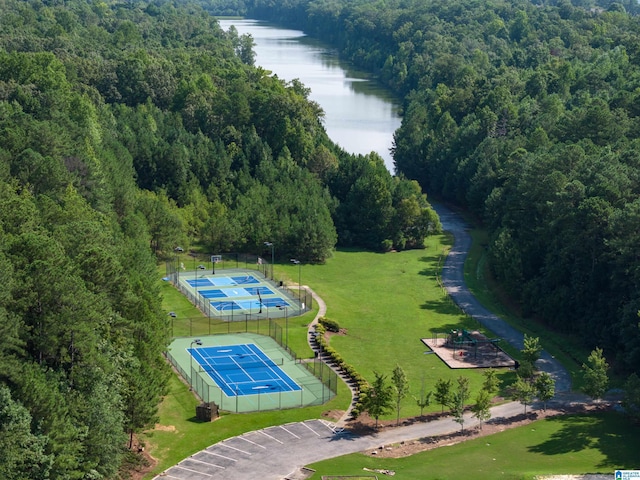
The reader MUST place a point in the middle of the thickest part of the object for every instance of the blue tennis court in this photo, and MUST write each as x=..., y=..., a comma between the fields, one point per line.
x=235, y=292
x=251, y=305
x=223, y=281
x=243, y=370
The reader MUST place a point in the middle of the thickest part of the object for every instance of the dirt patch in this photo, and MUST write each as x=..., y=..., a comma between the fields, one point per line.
x=341, y=332
x=165, y=428
x=333, y=415
x=138, y=462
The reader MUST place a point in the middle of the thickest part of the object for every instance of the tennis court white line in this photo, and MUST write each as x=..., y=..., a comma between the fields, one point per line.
x=272, y=370
x=289, y=432
x=272, y=438
x=221, y=456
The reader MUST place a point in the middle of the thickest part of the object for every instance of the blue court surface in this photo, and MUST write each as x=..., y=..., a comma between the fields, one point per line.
x=225, y=306
x=222, y=281
x=242, y=370
x=235, y=292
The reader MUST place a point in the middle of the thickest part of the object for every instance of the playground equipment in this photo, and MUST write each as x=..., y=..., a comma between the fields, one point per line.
x=464, y=340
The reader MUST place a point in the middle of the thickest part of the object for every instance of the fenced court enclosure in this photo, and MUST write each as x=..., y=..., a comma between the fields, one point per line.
x=237, y=355
x=247, y=372
x=239, y=291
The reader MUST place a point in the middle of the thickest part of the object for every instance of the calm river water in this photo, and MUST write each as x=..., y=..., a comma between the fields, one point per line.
x=359, y=115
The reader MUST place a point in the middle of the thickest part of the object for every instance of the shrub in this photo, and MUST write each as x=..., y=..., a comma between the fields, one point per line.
x=330, y=325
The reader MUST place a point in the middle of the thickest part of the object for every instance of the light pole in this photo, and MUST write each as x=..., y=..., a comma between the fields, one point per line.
x=297, y=262
x=270, y=244
x=286, y=323
x=197, y=341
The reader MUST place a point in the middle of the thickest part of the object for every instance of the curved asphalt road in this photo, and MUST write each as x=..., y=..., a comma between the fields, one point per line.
x=453, y=280
x=279, y=452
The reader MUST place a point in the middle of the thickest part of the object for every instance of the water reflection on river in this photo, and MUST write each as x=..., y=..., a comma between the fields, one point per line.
x=359, y=115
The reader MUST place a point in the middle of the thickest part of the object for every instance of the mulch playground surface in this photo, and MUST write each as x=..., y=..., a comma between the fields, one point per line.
x=482, y=353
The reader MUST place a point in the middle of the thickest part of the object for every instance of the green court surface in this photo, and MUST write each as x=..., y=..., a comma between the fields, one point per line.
x=312, y=391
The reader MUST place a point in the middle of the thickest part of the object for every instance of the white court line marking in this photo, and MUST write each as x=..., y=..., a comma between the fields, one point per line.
x=221, y=456
x=289, y=432
x=272, y=438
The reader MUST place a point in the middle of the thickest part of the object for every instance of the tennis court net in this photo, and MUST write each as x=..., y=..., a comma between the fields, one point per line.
x=212, y=367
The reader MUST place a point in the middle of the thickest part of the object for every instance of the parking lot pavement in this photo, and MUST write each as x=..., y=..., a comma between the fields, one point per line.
x=274, y=453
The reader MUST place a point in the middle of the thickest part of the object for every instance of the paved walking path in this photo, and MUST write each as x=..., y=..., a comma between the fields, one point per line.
x=322, y=311
x=279, y=452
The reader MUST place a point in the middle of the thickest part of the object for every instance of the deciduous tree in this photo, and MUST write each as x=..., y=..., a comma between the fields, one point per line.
x=523, y=392
x=458, y=401
x=482, y=408
x=379, y=398
x=595, y=374
x=545, y=388
x=443, y=392
x=400, y=384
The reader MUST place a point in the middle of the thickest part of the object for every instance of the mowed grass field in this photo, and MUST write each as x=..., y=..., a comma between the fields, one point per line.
x=599, y=443
x=387, y=303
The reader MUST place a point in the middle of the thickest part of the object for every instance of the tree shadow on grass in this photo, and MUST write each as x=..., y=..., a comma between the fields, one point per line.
x=575, y=435
x=608, y=432
x=443, y=305
x=434, y=268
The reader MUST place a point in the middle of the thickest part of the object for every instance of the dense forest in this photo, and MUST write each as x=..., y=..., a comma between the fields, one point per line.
x=527, y=114
x=127, y=129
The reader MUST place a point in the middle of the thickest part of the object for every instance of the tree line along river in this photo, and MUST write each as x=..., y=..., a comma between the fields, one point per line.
x=360, y=116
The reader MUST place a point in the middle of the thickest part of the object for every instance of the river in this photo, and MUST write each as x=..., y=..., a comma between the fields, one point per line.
x=360, y=116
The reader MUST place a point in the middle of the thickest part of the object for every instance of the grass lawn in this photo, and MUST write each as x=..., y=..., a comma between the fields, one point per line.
x=598, y=443
x=387, y=303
